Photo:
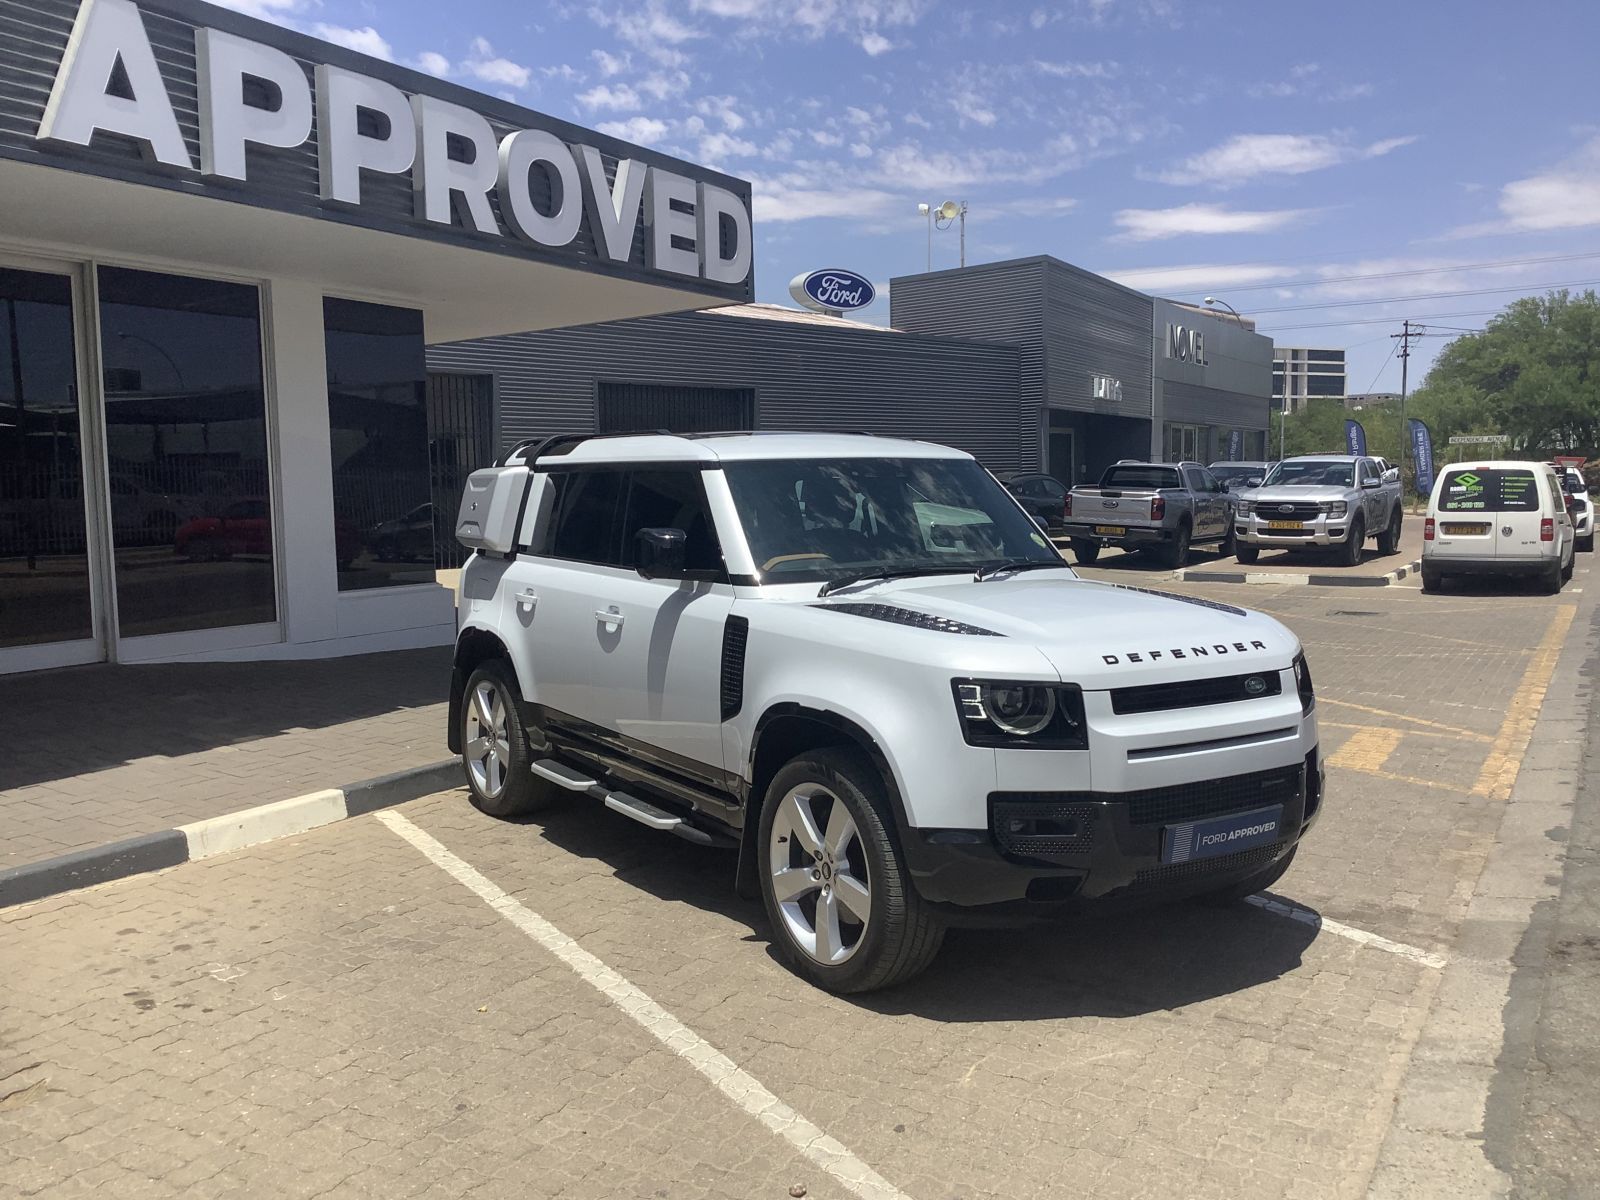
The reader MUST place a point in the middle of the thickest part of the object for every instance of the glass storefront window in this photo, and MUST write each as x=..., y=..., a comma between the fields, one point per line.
x=384, y=513
x=44, y=571
x=186, y=444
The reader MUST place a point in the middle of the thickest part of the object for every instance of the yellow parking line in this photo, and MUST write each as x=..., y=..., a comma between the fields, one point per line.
x=1450, y=735
x=1470, y=734
x=1505, y=756
x=1366, y=749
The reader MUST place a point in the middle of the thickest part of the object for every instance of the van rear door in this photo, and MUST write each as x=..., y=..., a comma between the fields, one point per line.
x=1519, y=510
x=1466, y=517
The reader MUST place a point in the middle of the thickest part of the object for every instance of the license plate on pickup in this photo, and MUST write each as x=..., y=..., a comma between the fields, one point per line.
x=1286, y=524
x=1222, y=835
x=1112, y=530
x=1463, y=529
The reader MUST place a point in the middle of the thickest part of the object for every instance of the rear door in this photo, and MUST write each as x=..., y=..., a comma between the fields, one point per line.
x=1465, y=513
x=1521, y=508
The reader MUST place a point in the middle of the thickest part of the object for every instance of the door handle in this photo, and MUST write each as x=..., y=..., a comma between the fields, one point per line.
x=527, y=599
x=609, y=616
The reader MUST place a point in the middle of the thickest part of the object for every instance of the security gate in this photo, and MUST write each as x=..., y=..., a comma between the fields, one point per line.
x=460, y=440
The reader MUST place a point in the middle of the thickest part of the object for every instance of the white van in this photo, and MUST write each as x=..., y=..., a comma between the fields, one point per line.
x=1498, y=518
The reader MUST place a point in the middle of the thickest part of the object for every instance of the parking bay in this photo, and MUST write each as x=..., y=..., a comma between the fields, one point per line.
x=336, y=1011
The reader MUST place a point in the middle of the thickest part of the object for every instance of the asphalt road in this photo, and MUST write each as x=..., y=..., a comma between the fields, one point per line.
x=427, y=1001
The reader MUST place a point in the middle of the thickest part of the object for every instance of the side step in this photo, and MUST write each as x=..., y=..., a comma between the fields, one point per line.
x=631, y=807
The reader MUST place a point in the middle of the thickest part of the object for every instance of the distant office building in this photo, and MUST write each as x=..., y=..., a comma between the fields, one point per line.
x=1372, y=400
x=1300, y=374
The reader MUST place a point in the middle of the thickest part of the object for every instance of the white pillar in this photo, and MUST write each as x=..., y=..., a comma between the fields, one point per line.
x=298, y=391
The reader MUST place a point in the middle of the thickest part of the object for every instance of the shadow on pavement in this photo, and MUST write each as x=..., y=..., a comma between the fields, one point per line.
x=1120, y=965
x=55, y=724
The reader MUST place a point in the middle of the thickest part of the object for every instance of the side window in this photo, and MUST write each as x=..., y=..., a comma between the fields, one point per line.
x=1053, y=489
x=1192, y=480
x=668, y=499
x=585, y=526
x=1369, y=470
x=1032, y=488
x=1209, y=481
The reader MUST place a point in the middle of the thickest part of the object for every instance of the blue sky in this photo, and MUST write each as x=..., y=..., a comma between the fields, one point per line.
x=1278, y=155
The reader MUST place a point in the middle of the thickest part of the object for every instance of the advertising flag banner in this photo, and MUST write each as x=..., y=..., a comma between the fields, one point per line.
x=1422, y=450
x=1355, y=437
x=1235, y=445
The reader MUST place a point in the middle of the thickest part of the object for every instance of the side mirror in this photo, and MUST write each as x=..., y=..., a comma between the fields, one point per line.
x=1253, y=482
x=660, y=552
x=1370, y=484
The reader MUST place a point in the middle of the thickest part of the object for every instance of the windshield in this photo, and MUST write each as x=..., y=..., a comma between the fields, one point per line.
x=1139, y=476
x=1227, y=472
x=1311, y=474
x=810, y=520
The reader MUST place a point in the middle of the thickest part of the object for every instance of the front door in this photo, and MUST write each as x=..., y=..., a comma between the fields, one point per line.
x=48, y=570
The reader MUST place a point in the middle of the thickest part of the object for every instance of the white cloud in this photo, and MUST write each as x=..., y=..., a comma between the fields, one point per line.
x=1249, y=155
x=643, y=130
x=718, y=147
x=278, y=11
x=433, y=63
x=823, y=138
x=724, y=109
x=565, y=72
x=875, y=43
x=1077, y=70
x=1029, y=206
x=664, y=84
x=607, y=96
x=1154, y=224
x=649, y=29
x=488, y=67
x=611, y=64
x=1200, y=277
x=797, y=198
x=365, y=40
x=860, y=150
x=1565, y=197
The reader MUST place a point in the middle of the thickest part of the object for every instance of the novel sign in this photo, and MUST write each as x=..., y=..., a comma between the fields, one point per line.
x=1186, y=345
x=832, y=290
x=253, y=94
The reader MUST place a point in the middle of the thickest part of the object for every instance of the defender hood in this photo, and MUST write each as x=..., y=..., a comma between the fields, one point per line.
x=1101, y=635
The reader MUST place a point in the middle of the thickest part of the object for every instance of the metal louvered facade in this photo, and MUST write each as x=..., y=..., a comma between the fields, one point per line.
x=803, y=374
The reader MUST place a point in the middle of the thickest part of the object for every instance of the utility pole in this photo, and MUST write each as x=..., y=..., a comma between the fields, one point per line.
x=1408, y=331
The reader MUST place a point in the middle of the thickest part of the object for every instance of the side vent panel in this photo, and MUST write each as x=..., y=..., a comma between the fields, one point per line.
x=735, y=634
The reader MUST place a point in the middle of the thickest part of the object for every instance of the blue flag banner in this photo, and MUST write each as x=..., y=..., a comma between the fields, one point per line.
x=1235, y=445
x=1422, y=452
x=1355, y=437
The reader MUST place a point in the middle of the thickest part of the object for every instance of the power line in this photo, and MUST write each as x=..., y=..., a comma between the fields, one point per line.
x=1514, y=287
x=1412, y=271
x=1488, y=312
x=1386, y=361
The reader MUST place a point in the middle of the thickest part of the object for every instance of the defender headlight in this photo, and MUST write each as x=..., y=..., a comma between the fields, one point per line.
x=1017, y=714
x=1334, y=508
x=1302, y=683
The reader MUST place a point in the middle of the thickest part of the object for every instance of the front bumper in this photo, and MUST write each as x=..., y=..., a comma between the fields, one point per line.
x=1114, y=859
x=1321, y=531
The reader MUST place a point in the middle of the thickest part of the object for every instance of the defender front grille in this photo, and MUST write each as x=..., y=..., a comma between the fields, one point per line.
x=1029, y=823
x=1211, y=797
x=1224, y=689
x=1199, y=868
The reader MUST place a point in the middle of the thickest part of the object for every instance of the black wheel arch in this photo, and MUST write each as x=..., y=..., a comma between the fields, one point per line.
x=783, y=732
x=474, y=647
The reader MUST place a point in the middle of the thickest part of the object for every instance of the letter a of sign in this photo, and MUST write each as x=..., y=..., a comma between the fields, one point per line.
x=108, y=32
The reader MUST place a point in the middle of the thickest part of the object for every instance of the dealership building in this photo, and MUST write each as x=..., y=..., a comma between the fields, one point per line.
x=225, y=247
x=1029, y=364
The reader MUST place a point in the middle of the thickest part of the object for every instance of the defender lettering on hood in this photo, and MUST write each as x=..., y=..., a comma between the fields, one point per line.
x=1216, y=648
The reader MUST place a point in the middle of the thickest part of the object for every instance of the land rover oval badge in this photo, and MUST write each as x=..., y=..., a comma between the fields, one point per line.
x=1254, y=685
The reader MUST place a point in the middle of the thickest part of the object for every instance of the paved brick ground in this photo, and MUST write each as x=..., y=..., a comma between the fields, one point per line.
x=100, y=753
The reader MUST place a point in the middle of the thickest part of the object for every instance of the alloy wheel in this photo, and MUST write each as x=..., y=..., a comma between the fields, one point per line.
x=819, y=874
x=487, y=738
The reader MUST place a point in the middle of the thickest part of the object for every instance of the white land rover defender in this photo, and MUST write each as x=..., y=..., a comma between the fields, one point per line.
x=861, y=663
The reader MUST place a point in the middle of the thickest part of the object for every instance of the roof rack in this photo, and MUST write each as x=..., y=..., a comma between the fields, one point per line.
x=565, y=443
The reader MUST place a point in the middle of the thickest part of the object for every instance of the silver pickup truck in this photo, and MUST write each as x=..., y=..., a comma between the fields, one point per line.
x=1331, y=501
x=1161, y=507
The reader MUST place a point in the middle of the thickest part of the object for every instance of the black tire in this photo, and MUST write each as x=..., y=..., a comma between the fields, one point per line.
x=1432, y=578
x=1586, y=544
x=1566, y=571
x=520, y=791
x=1085, y=552
x=1175, y=554
x=1350, y=552
x=1550, y=581
x=1389, y=539
x=1247, y=554
x=1225, y=547
x=901, y=935
x=1259, y=882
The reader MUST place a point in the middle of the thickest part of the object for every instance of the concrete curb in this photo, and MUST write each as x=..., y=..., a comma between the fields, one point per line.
x=1203, y=575
x=219, y=835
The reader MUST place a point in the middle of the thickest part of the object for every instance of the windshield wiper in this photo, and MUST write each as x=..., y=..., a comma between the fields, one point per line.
x=1013, y=565
x=833, y=585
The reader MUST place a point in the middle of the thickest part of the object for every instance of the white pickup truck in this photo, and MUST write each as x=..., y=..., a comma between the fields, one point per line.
x=1322, y=501
x=1161, y=507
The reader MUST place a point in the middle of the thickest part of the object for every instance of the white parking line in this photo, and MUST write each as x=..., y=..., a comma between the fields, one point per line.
x=727, y=1076
x=1306, y=917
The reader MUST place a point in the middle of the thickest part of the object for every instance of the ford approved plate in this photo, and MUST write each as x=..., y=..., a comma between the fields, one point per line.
x=1286, y=524
x=1114, y=530
x=1222, y=835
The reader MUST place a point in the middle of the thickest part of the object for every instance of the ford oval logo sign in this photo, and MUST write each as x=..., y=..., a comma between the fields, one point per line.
x=833, y=290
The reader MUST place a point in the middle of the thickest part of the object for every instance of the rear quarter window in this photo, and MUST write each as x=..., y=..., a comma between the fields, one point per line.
x=1468, y=490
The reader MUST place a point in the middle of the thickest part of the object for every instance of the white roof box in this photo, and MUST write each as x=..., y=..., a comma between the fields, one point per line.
x=491, y=504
